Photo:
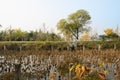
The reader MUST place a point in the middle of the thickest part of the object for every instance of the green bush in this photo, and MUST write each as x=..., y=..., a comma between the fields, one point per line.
x=49, y=45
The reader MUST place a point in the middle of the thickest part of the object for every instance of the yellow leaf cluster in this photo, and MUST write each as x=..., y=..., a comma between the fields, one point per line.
x=77, y=69
x=106, y=72
x=101, y=65
x=108, y=31
x=85, y=36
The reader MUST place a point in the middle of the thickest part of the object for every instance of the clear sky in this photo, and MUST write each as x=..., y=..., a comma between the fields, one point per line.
x=31, y=14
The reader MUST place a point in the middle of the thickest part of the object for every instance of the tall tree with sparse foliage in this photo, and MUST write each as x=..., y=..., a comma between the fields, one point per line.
x=75, y=24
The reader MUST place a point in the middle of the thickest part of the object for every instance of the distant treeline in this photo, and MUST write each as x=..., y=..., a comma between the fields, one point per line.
x=19, y=35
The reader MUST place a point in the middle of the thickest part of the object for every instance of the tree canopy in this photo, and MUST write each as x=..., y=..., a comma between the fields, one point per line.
x=85, y=36
x=109, y=35
x=75, y=24
x=108, y=31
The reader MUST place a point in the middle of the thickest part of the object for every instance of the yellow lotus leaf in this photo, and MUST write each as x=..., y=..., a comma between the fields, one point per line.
x=77, y=69
x=101, y=65
x=106, y=72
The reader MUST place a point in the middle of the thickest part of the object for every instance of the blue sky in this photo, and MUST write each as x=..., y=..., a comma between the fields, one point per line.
x=31, y=14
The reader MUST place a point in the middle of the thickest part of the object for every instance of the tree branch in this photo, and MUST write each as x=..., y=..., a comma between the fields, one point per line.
x=76, y=35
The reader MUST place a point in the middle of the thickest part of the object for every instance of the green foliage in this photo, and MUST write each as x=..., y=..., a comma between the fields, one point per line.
x=19, y=35
x=32, y=45
x=110, y=37
x=60, y=45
